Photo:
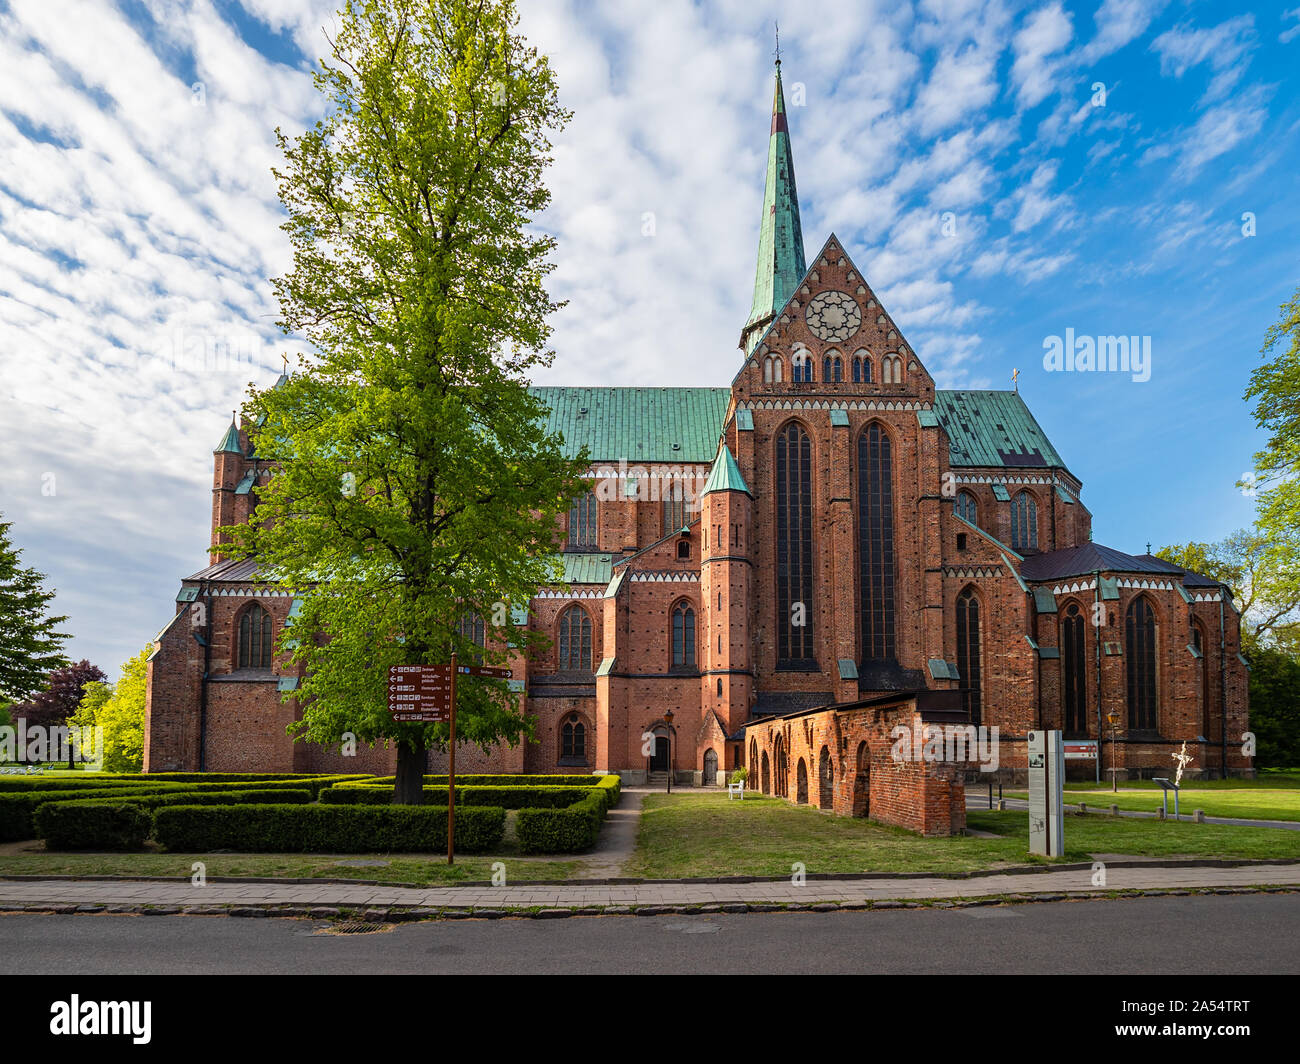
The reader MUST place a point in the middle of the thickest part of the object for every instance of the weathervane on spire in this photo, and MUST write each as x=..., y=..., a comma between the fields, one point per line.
x=778, y=42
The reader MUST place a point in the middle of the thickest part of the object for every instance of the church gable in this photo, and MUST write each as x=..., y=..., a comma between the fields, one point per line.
x=834, y=337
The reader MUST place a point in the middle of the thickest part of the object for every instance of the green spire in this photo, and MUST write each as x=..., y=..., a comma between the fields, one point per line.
x=780, y=241
x=725, y=475
x=230, y=442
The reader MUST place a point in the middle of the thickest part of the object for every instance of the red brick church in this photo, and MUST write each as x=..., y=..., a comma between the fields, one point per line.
x=779, y=573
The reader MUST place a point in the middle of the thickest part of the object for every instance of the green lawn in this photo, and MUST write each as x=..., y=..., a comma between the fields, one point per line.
x=688, y=835
x=1255, y=803
x=423, y=869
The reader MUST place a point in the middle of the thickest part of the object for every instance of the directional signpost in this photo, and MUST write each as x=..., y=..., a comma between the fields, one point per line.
x=426, y=694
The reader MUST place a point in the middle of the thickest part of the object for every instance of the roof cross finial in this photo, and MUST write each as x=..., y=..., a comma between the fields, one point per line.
x=778, y=42
x=1148, y=546
x=1015, y=380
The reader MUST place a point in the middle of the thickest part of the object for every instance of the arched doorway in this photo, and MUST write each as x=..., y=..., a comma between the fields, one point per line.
x=862, y=781
x=662, y=756
x=825, y=780
x=801, y=783
x=767, y=778
x=710, y=768
x=780, y=784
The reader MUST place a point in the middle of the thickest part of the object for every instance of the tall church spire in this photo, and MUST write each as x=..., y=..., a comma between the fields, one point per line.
x=780, y=240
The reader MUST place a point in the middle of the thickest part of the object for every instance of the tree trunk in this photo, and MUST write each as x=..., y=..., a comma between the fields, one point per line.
x=409, y=788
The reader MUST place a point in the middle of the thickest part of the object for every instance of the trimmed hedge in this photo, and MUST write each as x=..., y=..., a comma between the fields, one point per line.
x=16, y=809
x=108, y=825
x=506, y=797
x=326, y=828
x=61, y=783
x=569, y=830
x=481, y=779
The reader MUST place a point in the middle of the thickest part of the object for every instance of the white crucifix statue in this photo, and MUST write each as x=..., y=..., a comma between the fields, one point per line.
x=1184, y=759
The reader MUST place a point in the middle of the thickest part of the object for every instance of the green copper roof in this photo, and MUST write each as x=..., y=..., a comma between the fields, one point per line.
x=780, y=240
x=230, y=441
x=987, y=428
x=725, y=475
x=587, y=568
x=638, y=424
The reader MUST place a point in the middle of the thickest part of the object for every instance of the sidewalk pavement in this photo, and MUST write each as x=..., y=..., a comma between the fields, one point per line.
x=588, y=898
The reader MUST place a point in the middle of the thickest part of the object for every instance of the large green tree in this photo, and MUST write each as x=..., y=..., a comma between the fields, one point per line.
x=416, y=481
x=119, y=710
x=30, y=645
x=1275, y=390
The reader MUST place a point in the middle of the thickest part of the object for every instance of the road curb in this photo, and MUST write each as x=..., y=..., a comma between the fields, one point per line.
x=416, y=913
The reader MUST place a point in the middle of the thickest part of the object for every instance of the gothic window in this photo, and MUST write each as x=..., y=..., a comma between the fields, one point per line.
x=964, y=507
x=471, y=628
x=1202, y=644
x=1024, y=522
x=891, y=370
x=803, y=367
x=968, y=653
x=832, y=367
x=573, y=739
x=582, y=521
x=254, y=639
x=861, y=367
x=876, y=543
x=780, y=770
x=683, y=636
x=794, y=547
x=575, y=640
x=1140, y=665
x=1074, y=666
x=674, y=510
x=752, y=765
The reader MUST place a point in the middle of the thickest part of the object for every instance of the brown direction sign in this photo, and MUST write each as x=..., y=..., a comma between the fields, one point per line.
x=419, y=692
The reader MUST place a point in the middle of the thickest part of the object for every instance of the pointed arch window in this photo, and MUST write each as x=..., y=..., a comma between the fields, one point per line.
x=1140, y=665
x=794, y=546
x=573, y=739
x=965, y=507
x=683, y=636
x=832, y=367
x=876, y=573
x=891, y=370
x=1074, y=673
x=582, y=521
x=803, y=367
x=773, y=370
x=674, y=508
x=968, y=654
x=861, y=367
x=1024, y=522
x=254, y=639
x=575, y=640
x=471, y=628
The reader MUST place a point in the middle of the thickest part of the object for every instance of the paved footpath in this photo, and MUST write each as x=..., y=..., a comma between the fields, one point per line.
x=67, y=894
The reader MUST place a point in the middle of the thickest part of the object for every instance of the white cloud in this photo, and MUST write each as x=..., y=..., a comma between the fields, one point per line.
x=1037, y=46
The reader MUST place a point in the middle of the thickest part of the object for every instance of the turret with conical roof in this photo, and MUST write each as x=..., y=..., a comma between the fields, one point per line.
x=780, y=240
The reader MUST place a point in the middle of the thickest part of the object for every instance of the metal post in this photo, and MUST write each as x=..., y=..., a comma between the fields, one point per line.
x=451, y=773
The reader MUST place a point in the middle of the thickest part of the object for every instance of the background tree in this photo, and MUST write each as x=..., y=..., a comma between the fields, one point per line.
x=30, y=646
x=1275, y=389
x=119, y=710
x=1265, y=586
x=416, y=480
x=63, y=692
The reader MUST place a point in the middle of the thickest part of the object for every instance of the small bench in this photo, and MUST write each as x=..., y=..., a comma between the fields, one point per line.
x=734, y=789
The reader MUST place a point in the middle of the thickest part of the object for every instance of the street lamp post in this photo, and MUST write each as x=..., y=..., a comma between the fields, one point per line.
x=668, y=719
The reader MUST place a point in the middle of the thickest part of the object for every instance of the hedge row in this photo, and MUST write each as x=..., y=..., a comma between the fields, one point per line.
x=131, y=779
x=62, y=783
x=506, y=797
x=16, y=808
x=568, y=830
x=489, y=780
x=326, y=828
x=78, y=823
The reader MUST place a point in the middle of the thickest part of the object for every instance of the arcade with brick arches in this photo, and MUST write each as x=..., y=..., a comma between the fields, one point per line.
x=775, y=575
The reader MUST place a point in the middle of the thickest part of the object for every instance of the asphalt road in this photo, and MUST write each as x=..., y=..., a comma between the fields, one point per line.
x=1249, y=933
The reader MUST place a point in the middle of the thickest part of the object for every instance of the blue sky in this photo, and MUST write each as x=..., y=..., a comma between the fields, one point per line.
x=959, y=150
